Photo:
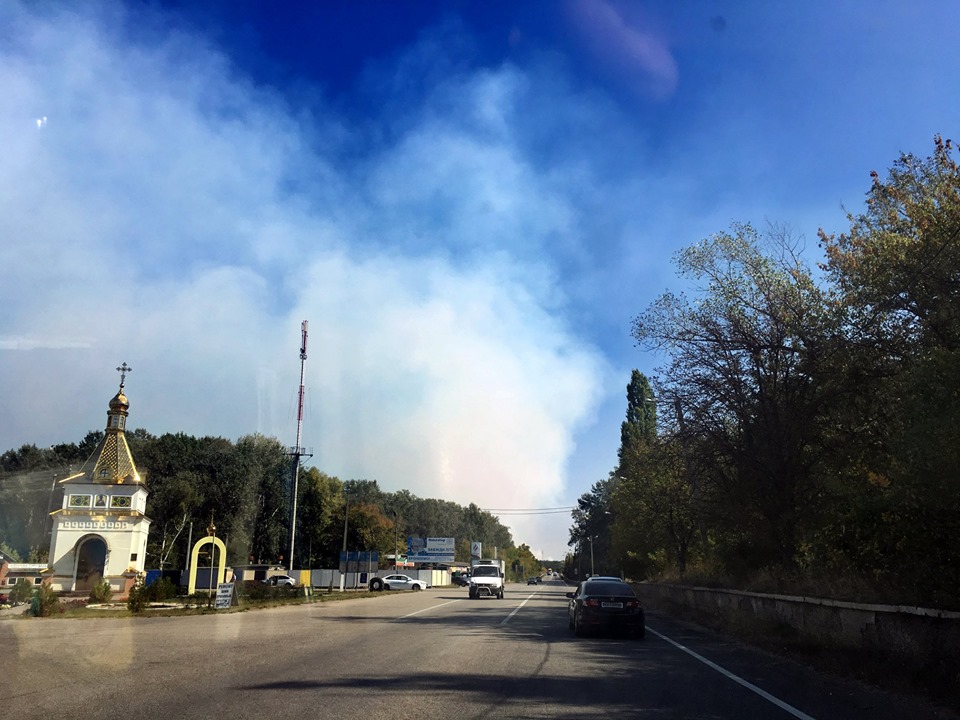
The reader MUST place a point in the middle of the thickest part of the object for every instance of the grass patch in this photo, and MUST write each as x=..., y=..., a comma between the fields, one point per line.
x=197, y=604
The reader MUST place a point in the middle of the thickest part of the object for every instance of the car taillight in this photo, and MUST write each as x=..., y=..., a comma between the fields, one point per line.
x=632, y=603
x=591, y=602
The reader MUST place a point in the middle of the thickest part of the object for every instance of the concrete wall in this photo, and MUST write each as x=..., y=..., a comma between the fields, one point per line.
x=916, y=637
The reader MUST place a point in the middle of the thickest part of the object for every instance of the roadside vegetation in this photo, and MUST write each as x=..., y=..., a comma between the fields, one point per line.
x=245, y=488
x=802, y=432
x=145, y=601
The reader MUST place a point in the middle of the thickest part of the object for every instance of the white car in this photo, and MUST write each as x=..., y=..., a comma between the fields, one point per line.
x=277, y=580
x=403, y=582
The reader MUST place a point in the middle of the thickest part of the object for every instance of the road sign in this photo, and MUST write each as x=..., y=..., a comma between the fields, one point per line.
x=224, y=596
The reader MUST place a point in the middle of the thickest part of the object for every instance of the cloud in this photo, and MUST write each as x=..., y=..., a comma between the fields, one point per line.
x=34, y=343
x=637, y=57
x=179, y=219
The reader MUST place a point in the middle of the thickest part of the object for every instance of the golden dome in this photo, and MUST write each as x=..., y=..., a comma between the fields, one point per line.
x=119, y=401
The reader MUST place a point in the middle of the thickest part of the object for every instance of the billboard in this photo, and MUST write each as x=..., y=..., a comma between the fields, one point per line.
x=476, y=550
x=431, y=550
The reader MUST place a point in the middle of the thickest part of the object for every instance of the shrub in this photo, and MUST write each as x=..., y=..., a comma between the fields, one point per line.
x=162, y=589
x=101, y=592
x=21, y=592
x=137, y=598
x=45, y=602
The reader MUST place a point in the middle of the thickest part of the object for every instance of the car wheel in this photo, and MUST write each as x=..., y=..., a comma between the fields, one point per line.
x=415, y=588
x=386, y=586
x=376, y=584
x=578, y=628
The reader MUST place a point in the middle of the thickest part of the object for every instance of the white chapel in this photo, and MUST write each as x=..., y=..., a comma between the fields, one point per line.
x=101, y=529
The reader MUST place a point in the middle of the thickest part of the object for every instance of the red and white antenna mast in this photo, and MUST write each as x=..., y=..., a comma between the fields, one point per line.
x=298, y=451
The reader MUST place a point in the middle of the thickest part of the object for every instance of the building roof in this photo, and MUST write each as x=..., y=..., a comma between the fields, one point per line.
x=111, y=463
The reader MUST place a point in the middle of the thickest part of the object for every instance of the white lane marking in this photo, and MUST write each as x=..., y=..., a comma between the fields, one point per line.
x=749, y=686
x=515, y=610
x=432, y=607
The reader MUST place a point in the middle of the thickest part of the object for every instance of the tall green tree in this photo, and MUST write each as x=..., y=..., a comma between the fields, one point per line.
x=744, y=359
x=896, y=271
x=640, y=425
x=590, y=533
x=319, y=518
x=656, y=521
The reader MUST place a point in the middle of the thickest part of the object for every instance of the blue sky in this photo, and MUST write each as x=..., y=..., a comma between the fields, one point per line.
x=468, y=201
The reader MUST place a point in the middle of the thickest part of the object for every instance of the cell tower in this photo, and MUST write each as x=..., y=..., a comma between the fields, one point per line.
x=297, y=451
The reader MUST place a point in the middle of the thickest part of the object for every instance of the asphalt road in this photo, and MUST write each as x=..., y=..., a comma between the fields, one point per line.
x=432, y=654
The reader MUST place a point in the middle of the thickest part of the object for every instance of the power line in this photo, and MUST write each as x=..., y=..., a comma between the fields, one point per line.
x=531, y=511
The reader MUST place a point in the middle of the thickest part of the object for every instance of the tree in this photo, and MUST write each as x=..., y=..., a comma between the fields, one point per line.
x=520, y=562
x=263, y=485
x=656, y=519
x=744, y=359
x=173, y=502
x=370, y=529
x=591, y=529
x=320, y=518
x=897, y=265
x=640, y=425
x=896, y=273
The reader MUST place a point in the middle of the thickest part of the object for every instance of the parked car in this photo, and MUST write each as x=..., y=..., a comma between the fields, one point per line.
x=602, y=604
x=461, y=579
x=403, y=582
x=278, y=580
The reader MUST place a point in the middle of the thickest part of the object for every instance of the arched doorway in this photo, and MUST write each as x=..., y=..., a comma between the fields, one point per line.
x=91, y=561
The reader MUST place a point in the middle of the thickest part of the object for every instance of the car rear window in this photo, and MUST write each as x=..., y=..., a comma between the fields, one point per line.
x=608, y=588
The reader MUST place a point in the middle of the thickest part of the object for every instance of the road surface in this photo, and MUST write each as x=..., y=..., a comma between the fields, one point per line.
x=432, y=654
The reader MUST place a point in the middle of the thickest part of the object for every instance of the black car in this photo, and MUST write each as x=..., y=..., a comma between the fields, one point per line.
x=605, y=605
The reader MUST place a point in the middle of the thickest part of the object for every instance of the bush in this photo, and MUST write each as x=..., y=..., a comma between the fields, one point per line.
x=137, y=598
x=21, y=592
x=162, y=589
x=101, y=592
x=45, y=602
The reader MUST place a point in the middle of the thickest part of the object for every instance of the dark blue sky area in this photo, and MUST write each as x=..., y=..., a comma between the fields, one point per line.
x=283, y=43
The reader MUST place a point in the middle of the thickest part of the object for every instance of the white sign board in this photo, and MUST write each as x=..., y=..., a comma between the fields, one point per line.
x=432, y=550
x=224, y=595
x=476, y=550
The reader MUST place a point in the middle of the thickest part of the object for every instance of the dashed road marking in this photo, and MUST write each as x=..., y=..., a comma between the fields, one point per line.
x=432, y=607
x=515, y=610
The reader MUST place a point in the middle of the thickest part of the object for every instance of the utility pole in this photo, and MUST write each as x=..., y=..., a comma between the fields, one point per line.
x=297, y=452
x=396, y=541
x=346, y=516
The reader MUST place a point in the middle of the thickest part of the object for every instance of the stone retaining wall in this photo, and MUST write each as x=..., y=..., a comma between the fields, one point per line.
x=921, y=638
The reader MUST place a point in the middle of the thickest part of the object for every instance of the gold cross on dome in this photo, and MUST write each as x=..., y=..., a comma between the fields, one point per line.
x=123, y=370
